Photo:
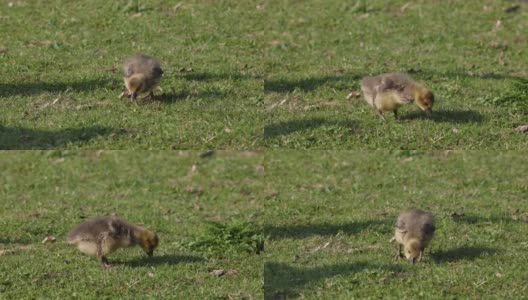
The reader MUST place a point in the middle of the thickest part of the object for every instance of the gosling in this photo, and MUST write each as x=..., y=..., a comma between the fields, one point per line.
x=142, y=74
x=101, y=236
x=390, y=91
x=414, y=231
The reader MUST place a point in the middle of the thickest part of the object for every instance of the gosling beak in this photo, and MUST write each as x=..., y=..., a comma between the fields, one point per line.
x=429, y=112
x=412, y=260
x=150, y=253
x=133, y=97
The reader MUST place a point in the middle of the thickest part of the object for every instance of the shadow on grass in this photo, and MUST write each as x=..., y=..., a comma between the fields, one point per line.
x=282, y=281
x=485, y=75
x=7, y=241
x=163, y=260
x=347, y=80
x=287, y=127
x=461, y=253
x=305, y=230
x=203, y=76
x=177, y=96
x=33, y=88
x=309, y=84
x=451, y=116
x=475, y=219
x=24, y=138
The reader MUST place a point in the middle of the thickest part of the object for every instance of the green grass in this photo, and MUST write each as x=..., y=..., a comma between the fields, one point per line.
x=280, y=224
x=175, y=193
x=61, y=75
x=317, y=51
x=271, y=74
x=330, y=215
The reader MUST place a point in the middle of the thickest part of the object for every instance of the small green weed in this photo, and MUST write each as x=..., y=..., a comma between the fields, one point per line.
x=233, y=237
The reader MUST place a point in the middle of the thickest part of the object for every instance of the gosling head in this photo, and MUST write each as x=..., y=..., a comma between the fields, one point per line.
x=148, y=241
x=135, y=85
x=412, y=250
x=425, y=100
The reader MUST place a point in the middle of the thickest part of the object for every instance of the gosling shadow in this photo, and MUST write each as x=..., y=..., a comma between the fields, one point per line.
x=163, y=260
x=462, y=253
x=177, y=96
x=449, y=116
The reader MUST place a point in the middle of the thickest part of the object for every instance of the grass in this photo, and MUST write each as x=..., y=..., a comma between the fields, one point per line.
x=472, y=54
x=249, y=75
x=325, y=218
x=330, y=215
x=175, y=193
x=61, y=75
